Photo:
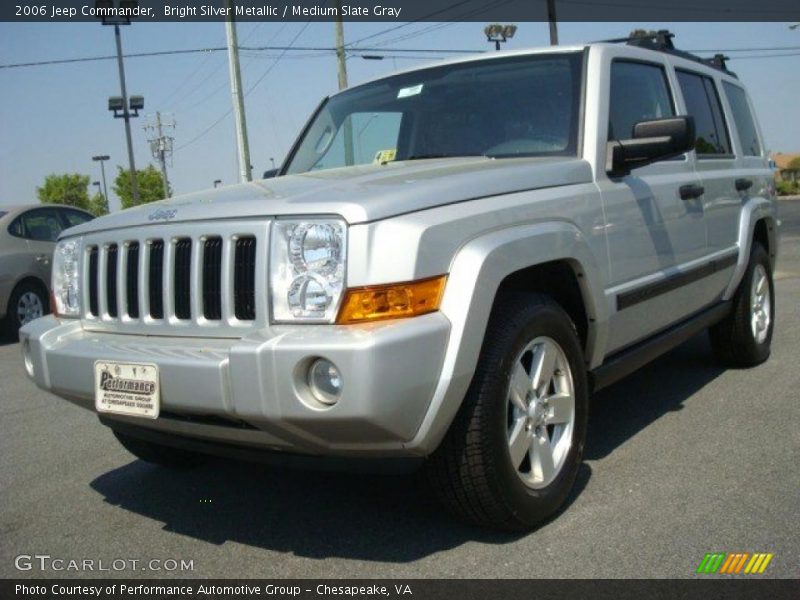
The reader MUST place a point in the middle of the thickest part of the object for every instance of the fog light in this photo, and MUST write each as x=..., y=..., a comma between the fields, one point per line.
x=26, y=357
x=325, y=381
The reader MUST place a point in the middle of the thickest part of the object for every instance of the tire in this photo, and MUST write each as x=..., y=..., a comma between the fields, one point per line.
x=744, y=337
x=28, y=301
x=472, y=471
x=157, y=454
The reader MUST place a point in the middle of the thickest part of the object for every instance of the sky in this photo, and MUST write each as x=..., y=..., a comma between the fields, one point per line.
x=53, y=119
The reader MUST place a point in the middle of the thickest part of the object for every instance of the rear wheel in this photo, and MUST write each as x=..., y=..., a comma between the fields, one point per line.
x=157, y=454
x=744, y=337
x=28, y=301
x=512, y=454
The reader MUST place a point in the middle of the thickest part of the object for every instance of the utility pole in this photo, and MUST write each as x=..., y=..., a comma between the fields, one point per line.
x=126, y=115
x=245, y=173
x=551, y=18
x=342, y=72
x=161, y=147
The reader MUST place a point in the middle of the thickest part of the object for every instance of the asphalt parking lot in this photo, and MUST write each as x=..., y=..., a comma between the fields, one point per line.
x=683, y=458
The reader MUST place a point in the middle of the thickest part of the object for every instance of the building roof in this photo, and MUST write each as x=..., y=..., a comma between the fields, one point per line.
x=782, y=160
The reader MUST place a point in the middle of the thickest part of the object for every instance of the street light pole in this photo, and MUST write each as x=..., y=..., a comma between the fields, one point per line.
x=102, y=160
x=126, y=115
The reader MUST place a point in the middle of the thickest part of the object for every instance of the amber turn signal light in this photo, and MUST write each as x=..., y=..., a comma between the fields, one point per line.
x=391, y=301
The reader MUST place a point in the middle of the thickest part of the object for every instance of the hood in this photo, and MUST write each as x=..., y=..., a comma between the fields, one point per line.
x=359, y=194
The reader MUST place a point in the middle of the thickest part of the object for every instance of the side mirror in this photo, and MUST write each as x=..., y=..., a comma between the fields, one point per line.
x=270, y=174
x=652, y=141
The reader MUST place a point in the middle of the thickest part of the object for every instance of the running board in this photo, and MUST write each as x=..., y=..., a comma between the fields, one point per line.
x=627, y=361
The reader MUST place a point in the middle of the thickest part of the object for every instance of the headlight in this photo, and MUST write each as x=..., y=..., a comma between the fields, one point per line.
x=66, y=279
x=307, y=261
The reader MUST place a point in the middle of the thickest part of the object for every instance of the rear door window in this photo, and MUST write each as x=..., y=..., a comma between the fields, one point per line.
x=702, y=103
x=745, y=124
x=41, y=225
x=639, y=92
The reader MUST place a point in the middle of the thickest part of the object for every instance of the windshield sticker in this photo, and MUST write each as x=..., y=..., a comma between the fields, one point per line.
x=384, y=156
x=409, y=91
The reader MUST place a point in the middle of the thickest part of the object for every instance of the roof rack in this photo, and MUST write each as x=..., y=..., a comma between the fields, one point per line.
x=661, y=41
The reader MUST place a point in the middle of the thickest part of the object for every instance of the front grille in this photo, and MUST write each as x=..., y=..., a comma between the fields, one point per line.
x=244, y=279
x=183, y=278
x=155, y=278
x=111, y=280
x=132, y=281
x=160, y=282
x=212, y=278
x=94, y=303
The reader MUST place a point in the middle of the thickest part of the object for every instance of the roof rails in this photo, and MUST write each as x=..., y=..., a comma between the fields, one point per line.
x=661, y=41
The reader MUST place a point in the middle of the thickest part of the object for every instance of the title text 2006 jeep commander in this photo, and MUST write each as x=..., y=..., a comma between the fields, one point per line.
x=449, y=262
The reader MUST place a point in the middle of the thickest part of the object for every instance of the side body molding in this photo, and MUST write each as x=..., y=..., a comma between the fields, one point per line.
x=476, y=273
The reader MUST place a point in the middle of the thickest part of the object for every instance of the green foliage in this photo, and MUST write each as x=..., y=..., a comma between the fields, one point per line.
x=794, y=164
x=98, y=205
x=71, y=189
x=151, y=186
x=788, y=188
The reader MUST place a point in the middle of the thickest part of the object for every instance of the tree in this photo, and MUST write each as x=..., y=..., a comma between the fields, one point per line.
x=151, y=186
x=98, y=205
x=71, y=189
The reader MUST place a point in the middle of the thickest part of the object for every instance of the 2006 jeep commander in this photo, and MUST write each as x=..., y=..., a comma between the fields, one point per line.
x=449, y=262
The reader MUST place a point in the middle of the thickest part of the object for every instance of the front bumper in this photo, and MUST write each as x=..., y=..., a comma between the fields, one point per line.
x=250, y=392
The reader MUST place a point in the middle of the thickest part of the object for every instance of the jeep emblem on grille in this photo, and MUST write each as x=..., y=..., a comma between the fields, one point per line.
x=162, y=215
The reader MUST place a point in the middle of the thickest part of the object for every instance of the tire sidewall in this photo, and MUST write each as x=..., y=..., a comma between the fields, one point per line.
x=758, y=256
x=12, y=317
x=528, y=504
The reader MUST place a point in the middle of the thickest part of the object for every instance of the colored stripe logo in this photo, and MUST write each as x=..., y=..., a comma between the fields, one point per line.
x=735, y=563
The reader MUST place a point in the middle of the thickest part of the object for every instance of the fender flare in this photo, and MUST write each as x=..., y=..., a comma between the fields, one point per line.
x=476, y=272
x=753, y=211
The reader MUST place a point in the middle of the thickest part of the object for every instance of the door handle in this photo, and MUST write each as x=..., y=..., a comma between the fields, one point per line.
x=742, y=185
x=43, y=258
x=691, y=191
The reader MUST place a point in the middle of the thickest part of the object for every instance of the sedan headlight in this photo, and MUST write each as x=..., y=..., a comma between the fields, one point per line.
x=66, y=279
x=307, y=261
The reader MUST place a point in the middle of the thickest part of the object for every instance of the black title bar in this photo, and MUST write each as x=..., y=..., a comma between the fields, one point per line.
x=406, y=10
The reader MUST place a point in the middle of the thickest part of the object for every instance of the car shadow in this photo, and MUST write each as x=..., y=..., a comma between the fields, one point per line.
x=622, y=410
x=370, y=517
x=310, y=514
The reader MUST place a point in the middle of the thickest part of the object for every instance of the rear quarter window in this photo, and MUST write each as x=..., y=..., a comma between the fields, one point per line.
x=743, y=118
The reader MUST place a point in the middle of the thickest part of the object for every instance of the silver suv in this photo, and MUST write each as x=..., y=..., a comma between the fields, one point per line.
x=450, y=261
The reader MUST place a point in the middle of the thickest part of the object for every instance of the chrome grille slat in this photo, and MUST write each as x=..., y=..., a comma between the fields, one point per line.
x=197, y=279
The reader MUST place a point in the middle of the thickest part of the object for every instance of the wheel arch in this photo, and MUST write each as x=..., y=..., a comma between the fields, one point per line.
x=519, y=257
x=758, y=222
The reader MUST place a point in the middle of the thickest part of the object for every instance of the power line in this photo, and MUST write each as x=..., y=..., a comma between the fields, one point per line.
x=222, y=48
x=260, y=79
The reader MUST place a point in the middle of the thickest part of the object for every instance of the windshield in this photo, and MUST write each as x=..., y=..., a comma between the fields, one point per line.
x=516, y=106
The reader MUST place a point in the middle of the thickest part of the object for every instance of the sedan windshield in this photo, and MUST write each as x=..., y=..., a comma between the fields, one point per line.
x=500, y=107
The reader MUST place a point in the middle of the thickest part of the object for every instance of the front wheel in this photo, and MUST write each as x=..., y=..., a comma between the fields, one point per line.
x=512, y=454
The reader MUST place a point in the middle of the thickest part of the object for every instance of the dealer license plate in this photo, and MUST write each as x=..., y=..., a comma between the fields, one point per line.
x=127, y=389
